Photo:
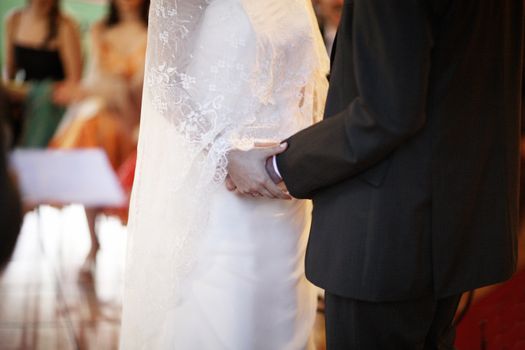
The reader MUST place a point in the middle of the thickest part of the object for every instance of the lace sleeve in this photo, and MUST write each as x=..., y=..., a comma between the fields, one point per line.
x=196, y=101
x=207, y=98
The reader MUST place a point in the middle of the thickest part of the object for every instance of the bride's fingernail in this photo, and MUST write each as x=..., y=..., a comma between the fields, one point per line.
x=283, y=145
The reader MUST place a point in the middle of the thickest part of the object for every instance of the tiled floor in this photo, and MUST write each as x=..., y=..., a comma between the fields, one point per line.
x=45, y=303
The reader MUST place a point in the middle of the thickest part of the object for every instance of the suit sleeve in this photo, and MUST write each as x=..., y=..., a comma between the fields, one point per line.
x=391, y=43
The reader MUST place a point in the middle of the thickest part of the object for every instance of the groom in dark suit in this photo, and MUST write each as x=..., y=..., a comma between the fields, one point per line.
x=414, y=171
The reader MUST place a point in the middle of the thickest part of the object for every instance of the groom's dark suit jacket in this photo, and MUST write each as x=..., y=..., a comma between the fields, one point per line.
x=414, y=171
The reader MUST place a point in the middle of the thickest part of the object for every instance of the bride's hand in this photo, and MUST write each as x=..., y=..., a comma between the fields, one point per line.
x=247, y=172
x=266, y=144
x=232, y=188
x=229, y=184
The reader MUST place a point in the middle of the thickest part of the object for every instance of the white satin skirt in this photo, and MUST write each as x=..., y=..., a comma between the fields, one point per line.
x=248, y=291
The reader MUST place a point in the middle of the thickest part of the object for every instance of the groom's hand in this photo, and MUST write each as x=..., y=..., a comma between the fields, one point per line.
x=247, y=172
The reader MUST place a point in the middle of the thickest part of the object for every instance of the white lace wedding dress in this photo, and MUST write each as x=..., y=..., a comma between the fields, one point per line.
x=206, y=268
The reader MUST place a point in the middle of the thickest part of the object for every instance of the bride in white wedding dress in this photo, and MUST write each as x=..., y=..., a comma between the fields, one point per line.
x=207, y=268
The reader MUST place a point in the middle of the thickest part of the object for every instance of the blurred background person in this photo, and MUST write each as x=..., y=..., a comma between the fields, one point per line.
x=107, y=109
x=329, y=12
x=10, y=203
x=42, y=48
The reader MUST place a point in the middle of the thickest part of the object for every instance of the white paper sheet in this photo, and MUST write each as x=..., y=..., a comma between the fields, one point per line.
x=67, y=177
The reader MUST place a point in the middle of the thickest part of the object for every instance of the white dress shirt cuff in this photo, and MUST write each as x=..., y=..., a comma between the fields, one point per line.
x=274, y=161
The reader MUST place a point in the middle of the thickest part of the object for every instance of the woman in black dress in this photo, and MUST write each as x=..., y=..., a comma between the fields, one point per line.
x=42, y=44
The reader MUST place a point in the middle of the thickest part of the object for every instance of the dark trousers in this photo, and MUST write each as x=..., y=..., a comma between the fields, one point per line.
x=422, y=324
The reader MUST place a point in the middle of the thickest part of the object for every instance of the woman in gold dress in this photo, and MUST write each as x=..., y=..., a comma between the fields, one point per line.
x=107, y=110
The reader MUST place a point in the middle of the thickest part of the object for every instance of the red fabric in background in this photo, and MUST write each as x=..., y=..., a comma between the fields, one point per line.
x=502, y=312
x=126, y=175
x=126, y=172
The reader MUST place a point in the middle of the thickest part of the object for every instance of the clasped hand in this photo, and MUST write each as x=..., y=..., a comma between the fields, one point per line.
x=247, y=173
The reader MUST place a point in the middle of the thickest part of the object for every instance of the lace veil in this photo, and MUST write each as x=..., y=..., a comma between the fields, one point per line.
x=219, y=74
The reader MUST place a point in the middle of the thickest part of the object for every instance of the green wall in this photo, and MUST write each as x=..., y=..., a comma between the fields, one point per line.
x=84, y=12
